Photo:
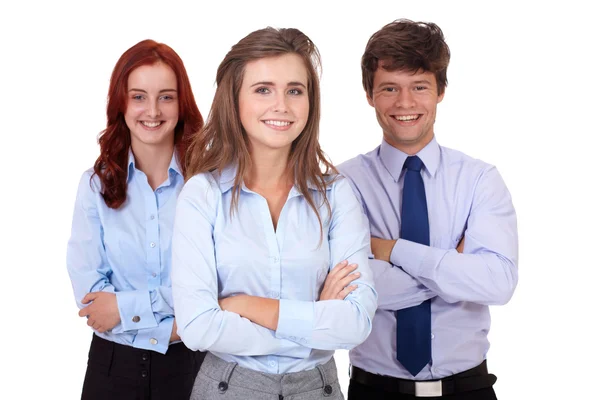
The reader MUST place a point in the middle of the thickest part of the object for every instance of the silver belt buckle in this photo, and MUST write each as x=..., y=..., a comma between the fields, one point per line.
x=428, y=389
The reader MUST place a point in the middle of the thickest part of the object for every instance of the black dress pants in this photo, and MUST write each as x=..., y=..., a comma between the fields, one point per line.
x=119, y=372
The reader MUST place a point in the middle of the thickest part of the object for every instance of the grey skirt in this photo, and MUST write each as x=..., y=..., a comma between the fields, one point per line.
x=221, y=380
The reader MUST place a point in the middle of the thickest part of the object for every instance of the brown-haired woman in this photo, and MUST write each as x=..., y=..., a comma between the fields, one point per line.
x=259, y=227
x=119, y=253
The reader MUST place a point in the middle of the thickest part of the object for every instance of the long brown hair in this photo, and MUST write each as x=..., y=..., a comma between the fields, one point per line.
x=407, y=45
x=223, y=141
x=115, y=140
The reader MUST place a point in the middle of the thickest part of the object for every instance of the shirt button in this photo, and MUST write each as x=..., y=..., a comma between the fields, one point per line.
x=135, y=319
x=223, y=386
x=153, y=341
x=144, y=374
x=275, y=295
x=275, y=259
x=432, y=336
x=144, y=356
x=328, y=390
x=152, y=244
x=293, y=338
x=272, y=363
x=159, y=191
x=154, y=274
x=152, y=216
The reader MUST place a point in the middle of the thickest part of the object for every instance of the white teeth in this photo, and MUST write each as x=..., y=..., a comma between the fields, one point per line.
x=277, y=123
x=406, y=117
x=150, y=124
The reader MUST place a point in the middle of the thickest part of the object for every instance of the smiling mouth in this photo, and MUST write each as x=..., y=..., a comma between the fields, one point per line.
x=151, y=125
x=407, y=118
x=277, y=125
x=274, y=122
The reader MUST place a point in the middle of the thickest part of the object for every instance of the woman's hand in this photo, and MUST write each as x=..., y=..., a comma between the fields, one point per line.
x=103, y=313
x=337, y=285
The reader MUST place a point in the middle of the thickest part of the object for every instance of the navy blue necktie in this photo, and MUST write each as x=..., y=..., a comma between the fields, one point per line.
x=413, y=337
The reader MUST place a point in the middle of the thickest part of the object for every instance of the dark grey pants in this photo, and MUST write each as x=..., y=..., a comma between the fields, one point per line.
x=221, y=380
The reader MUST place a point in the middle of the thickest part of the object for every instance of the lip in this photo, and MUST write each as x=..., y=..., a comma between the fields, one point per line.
x=406, y=123
x=148, y=128
x=275, y=127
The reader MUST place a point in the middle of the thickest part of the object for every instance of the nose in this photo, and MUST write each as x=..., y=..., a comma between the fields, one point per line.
x=405, y=99
x=280, y=104
x=153, y=110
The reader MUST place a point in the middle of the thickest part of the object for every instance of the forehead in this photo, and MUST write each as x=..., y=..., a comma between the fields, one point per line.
x=156, y=76
x=279, y=70
x=402, y=76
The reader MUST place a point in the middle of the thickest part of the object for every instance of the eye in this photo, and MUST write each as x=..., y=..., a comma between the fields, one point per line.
x=263, y=90
x=295, y=92
x=420, y=88
x=137, y=97
x=389, y=89
x=167, y=97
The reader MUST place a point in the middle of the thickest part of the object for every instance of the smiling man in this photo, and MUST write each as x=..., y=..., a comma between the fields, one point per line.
x=443, y=227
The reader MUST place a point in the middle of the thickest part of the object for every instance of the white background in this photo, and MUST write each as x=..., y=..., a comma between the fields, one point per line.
x=522, y=94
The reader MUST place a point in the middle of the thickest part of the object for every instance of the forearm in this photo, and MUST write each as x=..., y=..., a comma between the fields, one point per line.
x=329, y=324
x=396, y=289
x=485, y=277
x=260, y=310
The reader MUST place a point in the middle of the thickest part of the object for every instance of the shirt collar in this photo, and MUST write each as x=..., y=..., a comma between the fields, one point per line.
x=227, y=177
x=393, y=159
x=173, y=165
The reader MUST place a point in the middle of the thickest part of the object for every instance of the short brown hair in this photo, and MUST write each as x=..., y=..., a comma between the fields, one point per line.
x=406, y=45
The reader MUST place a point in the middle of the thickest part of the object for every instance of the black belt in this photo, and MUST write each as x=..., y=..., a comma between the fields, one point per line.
x=467, y=381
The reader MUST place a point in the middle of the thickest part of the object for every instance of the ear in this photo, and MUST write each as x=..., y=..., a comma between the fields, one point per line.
x=441, y=96
x=370, y=100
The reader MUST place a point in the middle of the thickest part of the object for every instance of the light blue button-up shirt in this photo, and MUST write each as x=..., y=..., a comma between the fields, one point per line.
x=217, y=255
x=128, y=252
x=464, y=197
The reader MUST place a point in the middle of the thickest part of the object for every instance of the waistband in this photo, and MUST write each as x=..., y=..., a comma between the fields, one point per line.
x=473, y=379
x=229, y=373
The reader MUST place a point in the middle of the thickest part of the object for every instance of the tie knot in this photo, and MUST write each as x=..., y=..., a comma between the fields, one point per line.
x=413, y=163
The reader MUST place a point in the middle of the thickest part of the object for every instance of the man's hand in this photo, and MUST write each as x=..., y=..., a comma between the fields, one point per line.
x=461, y=245
x=337, y=284
x=174, y=335
x=382, y=248
x=103, y=313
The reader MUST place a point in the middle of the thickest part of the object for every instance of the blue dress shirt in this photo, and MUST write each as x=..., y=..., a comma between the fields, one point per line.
x=128, y=252
x=217, y=254
x=465, y=197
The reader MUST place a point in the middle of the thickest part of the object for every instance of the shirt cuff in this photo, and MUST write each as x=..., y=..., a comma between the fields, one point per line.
x=135, y=309
x=415, y=259
x=295, y=320
x=155, y=339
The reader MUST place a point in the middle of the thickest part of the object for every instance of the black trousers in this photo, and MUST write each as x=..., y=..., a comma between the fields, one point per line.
x=119, y=372
x=357, y=391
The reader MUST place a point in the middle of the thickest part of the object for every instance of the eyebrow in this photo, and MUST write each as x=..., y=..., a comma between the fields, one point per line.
x=266, y=83
x=143, y=91
x=420, y=82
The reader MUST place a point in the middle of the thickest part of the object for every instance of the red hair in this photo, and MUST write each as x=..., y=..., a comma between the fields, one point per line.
x=115, y=140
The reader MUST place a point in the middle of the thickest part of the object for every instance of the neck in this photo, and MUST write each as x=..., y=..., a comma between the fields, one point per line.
x=269, y=171
x=153, y=161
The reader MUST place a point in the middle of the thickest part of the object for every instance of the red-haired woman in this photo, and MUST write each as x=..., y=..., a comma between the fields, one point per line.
x=119, y=253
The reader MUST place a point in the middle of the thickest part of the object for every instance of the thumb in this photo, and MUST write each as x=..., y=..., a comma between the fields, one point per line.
x=89, y=297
